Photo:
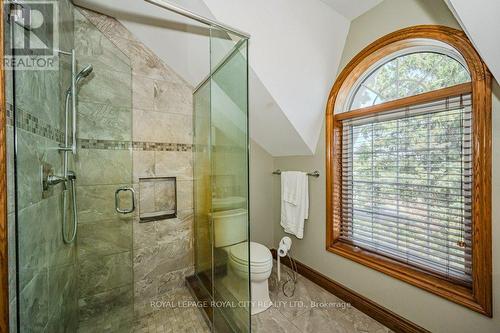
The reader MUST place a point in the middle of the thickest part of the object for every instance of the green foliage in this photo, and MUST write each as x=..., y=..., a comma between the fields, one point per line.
x=410, y=75
x=409, y=171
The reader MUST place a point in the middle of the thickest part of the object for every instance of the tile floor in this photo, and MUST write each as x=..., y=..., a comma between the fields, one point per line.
x=310, y=309
x=296, y=314
x=172, y=319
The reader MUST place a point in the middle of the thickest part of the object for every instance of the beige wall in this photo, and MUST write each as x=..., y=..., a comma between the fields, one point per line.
x=261, y=195
x=432, y=312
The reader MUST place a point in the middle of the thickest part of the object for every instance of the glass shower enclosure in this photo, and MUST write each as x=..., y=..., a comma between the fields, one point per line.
x=220, y=148
x=91, y=283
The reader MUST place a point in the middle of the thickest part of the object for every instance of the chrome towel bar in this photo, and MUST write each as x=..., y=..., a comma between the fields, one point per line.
x=314, y=174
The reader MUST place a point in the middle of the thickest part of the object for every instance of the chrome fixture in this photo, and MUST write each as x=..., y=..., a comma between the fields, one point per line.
x=54, y=180
x=189, y=14
x=69, y=176
x=69, y=96
x=314, y=174
x=117, y=200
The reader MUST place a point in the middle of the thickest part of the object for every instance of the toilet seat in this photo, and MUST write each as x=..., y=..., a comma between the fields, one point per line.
x=261, y=259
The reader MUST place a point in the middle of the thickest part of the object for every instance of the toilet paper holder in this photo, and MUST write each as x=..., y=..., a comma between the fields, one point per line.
x=284, y=247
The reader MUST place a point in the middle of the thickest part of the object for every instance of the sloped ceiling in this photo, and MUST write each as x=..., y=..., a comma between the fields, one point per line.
x=295, y=51
x=480, y=20
x=352, y=9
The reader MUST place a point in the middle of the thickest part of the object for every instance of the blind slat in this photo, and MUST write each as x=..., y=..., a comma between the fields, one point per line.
x=463, y=275
x=367, y=230
x=403, y=209
x=407, y=185
x=414, y=224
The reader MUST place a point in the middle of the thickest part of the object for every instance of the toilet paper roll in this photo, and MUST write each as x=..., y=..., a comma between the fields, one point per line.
x=284, y=247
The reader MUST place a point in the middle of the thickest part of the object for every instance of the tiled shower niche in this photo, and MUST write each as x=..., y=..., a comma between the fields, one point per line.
x=157, y=198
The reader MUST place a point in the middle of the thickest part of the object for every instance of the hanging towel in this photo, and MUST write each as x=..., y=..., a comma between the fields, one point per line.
x=294, y=202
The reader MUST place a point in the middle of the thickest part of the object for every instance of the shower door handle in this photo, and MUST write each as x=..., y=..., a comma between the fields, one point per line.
x=117, y=200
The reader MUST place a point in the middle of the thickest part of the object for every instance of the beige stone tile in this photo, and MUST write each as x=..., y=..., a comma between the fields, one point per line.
x=97, y=203
x=362, y=322
x=108, y=87
x=175, y=229
x=164, y=196
x=174, y=164
x=272, y=320
x=173, y=97
x=173, y=280
x=143, y=164
x=104, y=121
x=145, y=289
x=184, y=194
x=146, y=198
x=107, y=308
x=104, y=237
x=104, y=167
x=107, y=25
x=142, y=94
x=99, y=273
x=144, y=61
x=145, y=234
x=320, y=320
x=145, y=262
x=92, y=47
x=162, y=127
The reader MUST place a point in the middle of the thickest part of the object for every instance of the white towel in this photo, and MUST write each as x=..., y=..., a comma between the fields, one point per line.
x=294, y=202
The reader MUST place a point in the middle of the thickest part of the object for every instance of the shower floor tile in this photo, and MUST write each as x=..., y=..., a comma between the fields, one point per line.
x=172, y=318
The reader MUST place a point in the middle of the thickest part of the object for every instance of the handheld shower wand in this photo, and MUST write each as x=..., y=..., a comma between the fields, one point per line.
x=70, y=176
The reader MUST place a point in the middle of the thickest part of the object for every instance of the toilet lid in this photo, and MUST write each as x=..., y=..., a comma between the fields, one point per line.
x=258, y=253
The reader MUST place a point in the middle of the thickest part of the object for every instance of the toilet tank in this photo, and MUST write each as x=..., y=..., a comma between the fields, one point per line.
x=230, y=227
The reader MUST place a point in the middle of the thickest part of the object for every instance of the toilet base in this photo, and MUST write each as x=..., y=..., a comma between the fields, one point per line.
x=260, y=297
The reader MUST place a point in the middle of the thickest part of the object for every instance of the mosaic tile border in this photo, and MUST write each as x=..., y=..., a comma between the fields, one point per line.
x=30, y=123
x=134, y=145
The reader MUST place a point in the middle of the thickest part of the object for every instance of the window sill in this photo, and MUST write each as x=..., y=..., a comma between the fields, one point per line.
x=451, y=291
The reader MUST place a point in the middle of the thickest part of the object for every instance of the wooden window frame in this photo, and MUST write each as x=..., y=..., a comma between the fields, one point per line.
x=478, y=297
x=4, y=264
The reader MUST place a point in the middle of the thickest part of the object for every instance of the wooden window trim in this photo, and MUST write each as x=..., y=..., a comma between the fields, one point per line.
x=479, y=296
x=4, y=264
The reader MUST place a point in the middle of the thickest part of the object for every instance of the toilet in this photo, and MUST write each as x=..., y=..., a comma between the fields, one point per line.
x=261, y=265
x=230, y=234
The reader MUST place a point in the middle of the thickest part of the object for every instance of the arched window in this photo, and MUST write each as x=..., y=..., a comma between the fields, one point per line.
x=411, y=73
x=409, y=163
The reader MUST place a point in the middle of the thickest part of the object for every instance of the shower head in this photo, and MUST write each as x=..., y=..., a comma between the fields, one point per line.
x=80, y=76
x=84, y=73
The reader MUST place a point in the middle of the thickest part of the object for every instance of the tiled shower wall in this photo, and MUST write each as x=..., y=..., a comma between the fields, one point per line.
x=104, y=252
x=161, y=129
x=47, y=267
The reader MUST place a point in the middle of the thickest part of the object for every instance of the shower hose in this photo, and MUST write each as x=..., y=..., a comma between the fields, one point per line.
x=68, y=239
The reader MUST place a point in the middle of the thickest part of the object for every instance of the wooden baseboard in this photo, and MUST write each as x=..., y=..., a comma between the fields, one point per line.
x=384, y=316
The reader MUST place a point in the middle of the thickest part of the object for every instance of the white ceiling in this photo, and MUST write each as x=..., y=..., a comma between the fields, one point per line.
x=479, y=19
x=352, y=8
x=295, y=51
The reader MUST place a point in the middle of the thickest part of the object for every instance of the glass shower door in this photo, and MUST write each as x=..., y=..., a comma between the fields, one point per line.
x=229, y=165
x=46, y=267
x=221, y=185
x=87, y=284
x=105, y=187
